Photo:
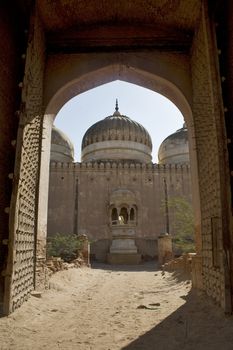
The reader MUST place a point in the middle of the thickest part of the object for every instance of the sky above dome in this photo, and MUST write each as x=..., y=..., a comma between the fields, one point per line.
x=155, y=112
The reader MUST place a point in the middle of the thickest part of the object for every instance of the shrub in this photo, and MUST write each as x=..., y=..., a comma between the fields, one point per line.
x=65, y=246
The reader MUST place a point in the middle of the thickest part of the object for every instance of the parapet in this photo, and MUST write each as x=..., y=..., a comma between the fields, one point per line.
x=120, y=165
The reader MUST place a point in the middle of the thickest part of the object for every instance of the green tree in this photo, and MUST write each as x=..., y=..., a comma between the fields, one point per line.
x=181, y=212
x=63, y=245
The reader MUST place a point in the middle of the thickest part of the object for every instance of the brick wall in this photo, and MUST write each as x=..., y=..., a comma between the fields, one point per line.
x=210, y=152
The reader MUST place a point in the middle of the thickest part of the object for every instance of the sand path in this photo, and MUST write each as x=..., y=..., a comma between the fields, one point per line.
x=109, y=308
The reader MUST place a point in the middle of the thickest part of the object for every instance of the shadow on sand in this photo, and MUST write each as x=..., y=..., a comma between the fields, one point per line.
x=197, y=325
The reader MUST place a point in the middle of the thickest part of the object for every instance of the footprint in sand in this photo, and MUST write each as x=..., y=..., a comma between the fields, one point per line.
x=102, y=334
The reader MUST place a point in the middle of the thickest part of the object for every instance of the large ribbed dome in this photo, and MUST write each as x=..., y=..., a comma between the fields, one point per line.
x=116, y=137
x=175, y=149
x=62, y=149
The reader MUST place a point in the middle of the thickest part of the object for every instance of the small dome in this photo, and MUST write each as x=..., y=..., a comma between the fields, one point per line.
x=121, y=196
x=116, y=137
x=62, y=149
x=175, y=149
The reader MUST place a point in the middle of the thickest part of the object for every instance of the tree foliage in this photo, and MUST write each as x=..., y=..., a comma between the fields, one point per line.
x=182, y=227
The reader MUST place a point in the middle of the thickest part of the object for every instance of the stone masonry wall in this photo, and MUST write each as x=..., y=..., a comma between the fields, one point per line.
x=206, y=110
x=61, y=202
x=223, y=32
x=90, y=186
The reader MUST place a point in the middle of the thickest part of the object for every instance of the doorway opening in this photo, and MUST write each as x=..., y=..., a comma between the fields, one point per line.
x=82, y=209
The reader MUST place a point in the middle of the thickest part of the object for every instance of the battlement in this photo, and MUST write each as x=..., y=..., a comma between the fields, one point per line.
x=119, y=165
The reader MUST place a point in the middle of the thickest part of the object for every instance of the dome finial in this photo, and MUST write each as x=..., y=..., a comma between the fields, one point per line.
x=116, y=108
x=116, y=113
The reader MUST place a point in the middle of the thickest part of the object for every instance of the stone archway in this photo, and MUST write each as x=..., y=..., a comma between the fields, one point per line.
x=189, y=77
x=97, y=77
x=169, y=75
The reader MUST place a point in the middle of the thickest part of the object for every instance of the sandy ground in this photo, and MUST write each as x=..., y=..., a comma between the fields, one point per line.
x=108, y=308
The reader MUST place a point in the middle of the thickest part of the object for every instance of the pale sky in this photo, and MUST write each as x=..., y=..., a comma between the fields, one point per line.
x=155, y=112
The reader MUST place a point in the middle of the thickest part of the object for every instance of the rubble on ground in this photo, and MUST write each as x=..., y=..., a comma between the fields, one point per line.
x=55, y=264
x=181, y=264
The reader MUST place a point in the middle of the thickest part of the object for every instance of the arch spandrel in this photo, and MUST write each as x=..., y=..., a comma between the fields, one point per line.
x=69, y=75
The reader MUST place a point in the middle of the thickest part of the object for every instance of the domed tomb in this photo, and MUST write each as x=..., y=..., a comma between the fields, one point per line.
x=62, y=149
x=117, y=137
x=175, y=148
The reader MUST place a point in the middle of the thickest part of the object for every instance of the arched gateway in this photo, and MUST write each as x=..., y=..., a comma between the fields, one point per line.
x=177, y=58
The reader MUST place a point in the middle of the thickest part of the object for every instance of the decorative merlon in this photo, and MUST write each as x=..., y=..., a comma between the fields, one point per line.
x=127, y=165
